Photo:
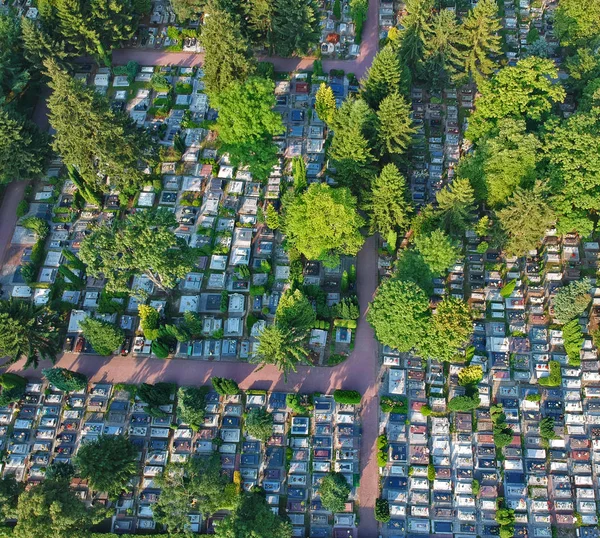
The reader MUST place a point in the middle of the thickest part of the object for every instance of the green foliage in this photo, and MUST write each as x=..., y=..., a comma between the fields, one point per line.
x=10, y=490
x=29, y=331
x=393, y=404
x=464, y=403
x=387, y=202
x=323, y=223
x=13, y=388
x=247, y=124
x=576, y=22
x=66, y=380
x=382, y=510
x=282, y=347
x=149, y=321
x=299, y=174
x=412, y=267
x=572, y=300
x=470, y=375
x=351, y=397
x=507, y=290
x=294, y=312
x=573, y=342
x=554, y=379
x=505, y=516
x=547, y=428
x=259, y=424
x=346, y=309
x=156, y=396
x=537, y=397
x=298, y=403
x=438, y=250
x=22, y=208
x=296, y=27
x=36, y=225
x=108, y=462
x=225, y=386
x=337, y=9
x=272, y=217
x=104, y=337
x=395, y=128
x=442, y=57
x=406, y=329
x=382, y=451
x=386, y=76
x=476, y=487
x=325, y=106
x=160, y=349
x=141, y=243
x=334, y=491
x=431, y=472
x=456, y=205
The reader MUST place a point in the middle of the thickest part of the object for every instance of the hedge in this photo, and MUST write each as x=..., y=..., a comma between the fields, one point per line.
x=382, y=510
x=225, y=386
x=555, y=377
x=382, y=451
x=351, y=397
x=345, y=323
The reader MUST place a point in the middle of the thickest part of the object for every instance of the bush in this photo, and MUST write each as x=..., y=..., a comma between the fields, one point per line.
x=394, y=404
x=382, y=510
x=507, y=290
x=382, y=451
x=555, y=377
x=547, y=428
x=225, y=386
x=470, y=375
x=476, y=487
x=66, y=380
x=336, y=358
x=299, y=403
x=351, y=397
x=534, y=397
x=191, y=403
x=573, y=342
x=464, y=403
x=104, y=337
x=149, y=319
x=334, y=491
x=259, y=424
x=13, y=388
x=431, y=472
x=22, y=208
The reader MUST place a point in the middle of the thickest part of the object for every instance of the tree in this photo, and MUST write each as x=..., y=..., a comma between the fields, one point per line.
x=442, y=57
x=258, y=23
x=411, y=266
x=399, y=314
x=386, y=76
x=227, y=53
x=24, y=150
x=187, y=9
x=197, y=484
x=224, y=386
x=104, y=337
x=94, y=139
x=479, y=39
x=259, y=424
x=283, y=348
x=395, y=128
x=382, y=510
x=572, y=300
x=299, y=174
x=60, y=470
x=576, y=22
x=334, y=491
x=573, y=152
x=156, y=396
x=108, y=462
x=53, y=509
x=527, y=91
x=10, y=490
x=350, y=149
x=464, y=403
x=13, y=388
x=325, y=105
x=416, y=30
x=142, y=243
x=438, y=250
x=272, y=217
x=470, y=375
x=66, y=380
x=449, y=330
x=296, y=26
x=253, y=517
x=191, y=403
x=510, y=160
x=456, y=204
x=323, y=223
x=505, y=516
x=525, y=221
x=294, y=312
x=247, y=124
x=386, y=203
x=29, y=331
x=547, y=428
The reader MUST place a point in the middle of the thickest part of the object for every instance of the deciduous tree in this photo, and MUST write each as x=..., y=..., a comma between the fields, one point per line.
x=333, y=491
x=259, y=424
x=576, y=22
x=438, y=250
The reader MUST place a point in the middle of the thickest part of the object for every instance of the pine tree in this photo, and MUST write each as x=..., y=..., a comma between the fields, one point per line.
x=259, y=21
x=416, y=29
x=442, y=57
x=386, y=204
x=325, y=105
x=227, y=54
x=39, y=45
x=96, y=140
x=395, y=127
x=299, y=174
x=479, y=40
x=296, y=26
x=387, y=75
x=456, y=203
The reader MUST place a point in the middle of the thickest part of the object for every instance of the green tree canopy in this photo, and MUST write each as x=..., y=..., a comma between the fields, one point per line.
x=527, y=91
x=143, y=243
x=227, y=52
x=442, y=56
x=449, y=330
x=416, y=24
x=323, y=223
x=105, y=337
x=576, y=22
x=53, y=509
x=187, y=9
x=259, y=424
x=108, y=462
x=10, y=490
x=66, y=380
x=93, y=138
x=325, y=105
x=480, y=41
x=294, y=312
x=29, y=331
x=296, y=26
x=254, y=518
x=572, y=300
x=191, y=404
x=283, y=348
x=386, y=76
x=334, y=491
x=387, y=202
x=399, y=314
x=470, y=375
x=247, y=124
x=395, y=128
x=438, y=250
x=411, y=266
x=456, y=204
x=525, y=221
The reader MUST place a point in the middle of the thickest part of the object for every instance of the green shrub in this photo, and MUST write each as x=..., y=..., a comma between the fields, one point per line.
x=160, y=349
x=382, y=451
x=534, y=397
x=507, y=290
x=431, y=472
x=225, y=386
x=464, y=403
x=299, y=403
x=573, y=342
x=476, y=487
x=22, y=208
x=351, y=397
x=104, y=337
x=555, y=377
x=336, y=358
x=382, y=509
x=394, y=404
x=66, y=380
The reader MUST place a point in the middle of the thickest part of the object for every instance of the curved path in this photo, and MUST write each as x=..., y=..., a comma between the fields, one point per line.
x=359, y=372
x=358, y=65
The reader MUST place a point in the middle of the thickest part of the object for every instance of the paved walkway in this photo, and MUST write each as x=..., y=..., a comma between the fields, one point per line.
x=360, y=372
x=358, y=65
